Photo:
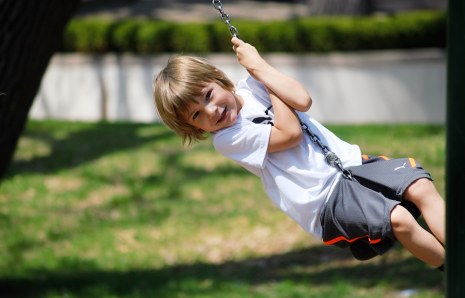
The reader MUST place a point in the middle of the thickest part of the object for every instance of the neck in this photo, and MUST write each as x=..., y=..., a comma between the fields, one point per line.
x=239, y=102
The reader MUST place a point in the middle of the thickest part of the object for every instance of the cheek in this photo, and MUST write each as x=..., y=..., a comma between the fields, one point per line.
x=229, y=97
x=202, y=122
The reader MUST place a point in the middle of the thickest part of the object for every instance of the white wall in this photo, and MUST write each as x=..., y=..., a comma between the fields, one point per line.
x=369, y=87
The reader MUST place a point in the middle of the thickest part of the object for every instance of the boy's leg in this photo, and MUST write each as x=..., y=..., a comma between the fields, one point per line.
x=405, y=179
x=425, y=196
x=415, y=239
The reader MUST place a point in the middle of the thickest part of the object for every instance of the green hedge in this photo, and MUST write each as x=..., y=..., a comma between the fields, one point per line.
x=322, y=34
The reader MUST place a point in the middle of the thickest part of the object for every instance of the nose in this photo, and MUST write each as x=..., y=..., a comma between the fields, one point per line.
x=211, y=109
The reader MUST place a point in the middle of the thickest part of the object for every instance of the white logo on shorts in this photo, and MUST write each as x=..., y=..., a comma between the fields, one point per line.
x=401, y=167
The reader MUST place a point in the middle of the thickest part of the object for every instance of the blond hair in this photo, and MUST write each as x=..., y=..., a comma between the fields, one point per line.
x=178, y=85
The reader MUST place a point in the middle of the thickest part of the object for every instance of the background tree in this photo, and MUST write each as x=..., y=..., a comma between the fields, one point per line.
x=30, y=32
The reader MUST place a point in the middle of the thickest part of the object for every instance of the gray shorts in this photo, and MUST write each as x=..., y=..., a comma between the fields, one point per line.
x=358, y=212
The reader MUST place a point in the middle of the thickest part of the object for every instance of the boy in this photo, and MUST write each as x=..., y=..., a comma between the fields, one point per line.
x=366, y=204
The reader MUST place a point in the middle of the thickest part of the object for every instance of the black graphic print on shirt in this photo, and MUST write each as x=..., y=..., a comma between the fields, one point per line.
x=265, y=119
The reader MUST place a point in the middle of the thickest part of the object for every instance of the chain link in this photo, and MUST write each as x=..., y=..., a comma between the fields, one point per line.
x=330, y=157
x=225, y=18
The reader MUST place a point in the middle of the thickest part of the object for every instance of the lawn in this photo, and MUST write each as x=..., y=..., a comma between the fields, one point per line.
x=124, y=210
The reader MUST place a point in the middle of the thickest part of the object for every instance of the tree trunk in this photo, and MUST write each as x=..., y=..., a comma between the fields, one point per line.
x=30, y=32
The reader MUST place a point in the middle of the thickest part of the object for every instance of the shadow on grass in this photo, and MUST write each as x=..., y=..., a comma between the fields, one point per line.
x=88, y=142
x=304, y=268
x=85, y=144
x=80, y=278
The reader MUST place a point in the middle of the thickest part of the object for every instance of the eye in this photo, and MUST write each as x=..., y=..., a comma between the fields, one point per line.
x=195, y=115
x=208, y=95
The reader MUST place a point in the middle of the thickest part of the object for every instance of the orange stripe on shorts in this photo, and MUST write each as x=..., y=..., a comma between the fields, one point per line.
x=342, y=238
x=412, y=162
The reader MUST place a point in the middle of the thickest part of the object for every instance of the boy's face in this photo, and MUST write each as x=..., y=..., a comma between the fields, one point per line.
x=217, y=108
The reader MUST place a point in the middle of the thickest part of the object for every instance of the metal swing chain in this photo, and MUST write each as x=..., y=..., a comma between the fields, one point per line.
x=225, y=17
x=330, y=157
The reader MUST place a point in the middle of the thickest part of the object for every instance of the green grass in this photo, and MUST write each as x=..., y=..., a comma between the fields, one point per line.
x=123, y=210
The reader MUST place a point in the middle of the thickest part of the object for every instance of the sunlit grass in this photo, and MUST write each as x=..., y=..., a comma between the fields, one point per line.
x=124, y=210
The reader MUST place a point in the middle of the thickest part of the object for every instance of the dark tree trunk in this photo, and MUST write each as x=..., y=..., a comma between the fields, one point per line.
x=30, y=32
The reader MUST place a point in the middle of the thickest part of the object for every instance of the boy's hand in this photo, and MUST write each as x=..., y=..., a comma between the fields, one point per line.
x=287, y=89
x=247, y=55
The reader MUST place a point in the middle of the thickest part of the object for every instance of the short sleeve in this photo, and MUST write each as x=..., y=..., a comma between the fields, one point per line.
x=245, y=142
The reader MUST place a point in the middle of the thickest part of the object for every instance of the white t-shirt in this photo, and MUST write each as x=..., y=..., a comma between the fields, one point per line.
x=297, y=180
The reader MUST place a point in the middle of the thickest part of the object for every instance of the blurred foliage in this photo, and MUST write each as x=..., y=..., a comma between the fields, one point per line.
x=317, y=34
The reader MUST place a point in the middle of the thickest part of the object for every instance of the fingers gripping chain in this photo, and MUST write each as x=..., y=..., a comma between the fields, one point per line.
x=225, y=18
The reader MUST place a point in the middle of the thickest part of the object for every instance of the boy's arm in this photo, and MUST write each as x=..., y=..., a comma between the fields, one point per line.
x=286, y=94
x=286, y=132
x=286, y=88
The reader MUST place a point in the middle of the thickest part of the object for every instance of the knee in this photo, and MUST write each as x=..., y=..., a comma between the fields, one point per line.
x=419, y=191
x=401, y=219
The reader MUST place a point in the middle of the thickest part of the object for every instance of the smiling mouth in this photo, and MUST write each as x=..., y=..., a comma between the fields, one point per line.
x=223, y=116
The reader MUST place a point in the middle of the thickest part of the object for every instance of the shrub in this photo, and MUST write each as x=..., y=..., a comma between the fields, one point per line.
x=88, y=35
x=154, y=37
x=317, y=34
x=190, y=38
x=124, y=36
